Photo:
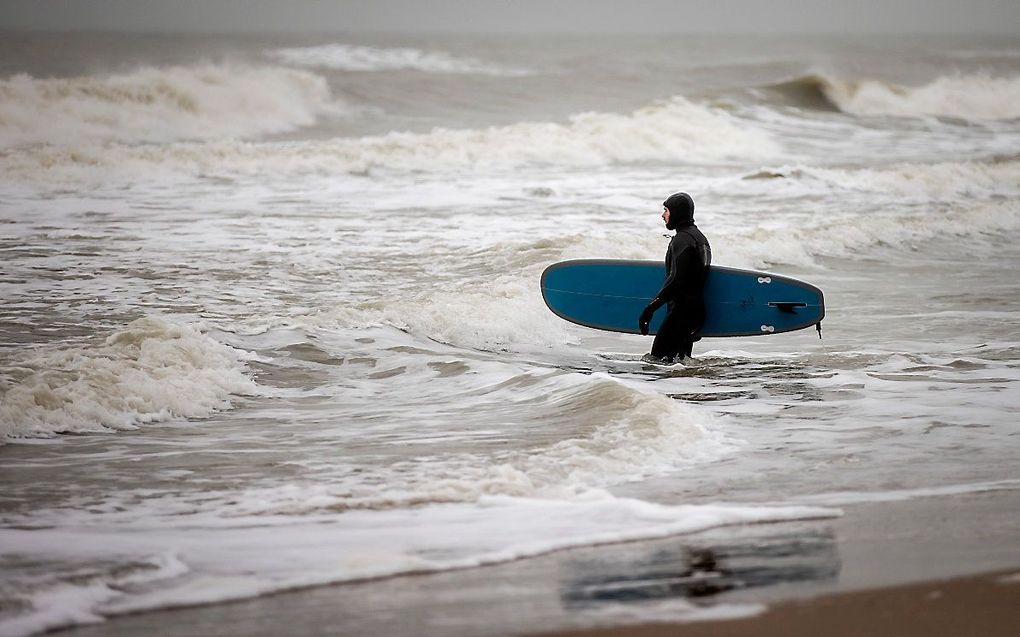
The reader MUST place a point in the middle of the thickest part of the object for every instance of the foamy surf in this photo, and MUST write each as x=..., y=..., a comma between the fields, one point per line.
x=906, y=206
x=419, y=409
x=216, y=562
x=628, y=434
x=75, y=598
x=764, y=246
x=963, y=181
x=150, y=371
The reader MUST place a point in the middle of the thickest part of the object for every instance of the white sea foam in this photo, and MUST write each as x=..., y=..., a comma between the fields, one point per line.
x=627, y=434
x=151, y=370
x=350, y=57
x=903, y=182
x=909, y=204
x=60, y=602
x=765, y=245
x=674, y=130
x=200, y=102
x=236, y=561
x=973, y=97
x=507, y=312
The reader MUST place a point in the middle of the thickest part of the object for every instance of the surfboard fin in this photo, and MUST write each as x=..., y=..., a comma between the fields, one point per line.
x=818, y=326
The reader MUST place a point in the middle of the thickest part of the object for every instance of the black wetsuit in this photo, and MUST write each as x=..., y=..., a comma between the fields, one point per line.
x=687, y=261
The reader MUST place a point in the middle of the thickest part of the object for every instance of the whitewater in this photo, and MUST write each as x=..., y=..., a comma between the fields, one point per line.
x=271, y=318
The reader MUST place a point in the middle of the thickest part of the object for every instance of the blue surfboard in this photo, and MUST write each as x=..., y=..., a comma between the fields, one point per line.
x=609, y=294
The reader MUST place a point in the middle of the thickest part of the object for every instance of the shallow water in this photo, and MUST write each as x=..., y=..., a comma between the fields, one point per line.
x=271, y=313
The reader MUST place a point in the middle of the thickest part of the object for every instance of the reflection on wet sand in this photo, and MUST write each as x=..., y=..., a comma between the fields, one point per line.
x=699, y=571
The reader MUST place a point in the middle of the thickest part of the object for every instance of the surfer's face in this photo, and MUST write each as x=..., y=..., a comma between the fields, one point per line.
x=665, y=215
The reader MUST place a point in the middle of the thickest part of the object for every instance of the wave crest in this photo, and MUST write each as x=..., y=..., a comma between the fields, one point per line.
x=674, y=130
x=972, y=97
x=349, y=57
x=149, y=371
x=161, y=105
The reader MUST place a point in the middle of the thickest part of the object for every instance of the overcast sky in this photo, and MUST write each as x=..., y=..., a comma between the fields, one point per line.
x=521, y=16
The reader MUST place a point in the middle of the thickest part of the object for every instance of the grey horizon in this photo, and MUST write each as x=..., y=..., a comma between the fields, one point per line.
x=991, y=17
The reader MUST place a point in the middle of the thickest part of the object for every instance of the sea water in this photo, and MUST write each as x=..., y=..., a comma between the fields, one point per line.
x=271, y=317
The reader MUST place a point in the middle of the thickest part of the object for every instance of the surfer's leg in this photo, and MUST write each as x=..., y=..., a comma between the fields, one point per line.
x=697, y=319
x=669, y=341
x=688, y=347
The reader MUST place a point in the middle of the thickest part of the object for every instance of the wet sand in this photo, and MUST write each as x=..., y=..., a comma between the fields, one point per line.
x=984, y=605
x=915, y=567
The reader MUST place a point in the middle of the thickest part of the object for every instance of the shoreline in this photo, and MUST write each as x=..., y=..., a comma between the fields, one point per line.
x=987, y=605
x=879, y=557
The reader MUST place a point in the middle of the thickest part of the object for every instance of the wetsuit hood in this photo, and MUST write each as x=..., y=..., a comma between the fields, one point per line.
x=681, y=210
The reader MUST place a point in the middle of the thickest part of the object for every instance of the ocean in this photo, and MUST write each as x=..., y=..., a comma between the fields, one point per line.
x=271, y=314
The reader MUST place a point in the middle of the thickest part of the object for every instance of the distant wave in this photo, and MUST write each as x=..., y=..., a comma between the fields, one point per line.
x=149, y=371
x=349, y=57
x=972, y=97
x=161, y=105
x=672, y=130
x=807, y=92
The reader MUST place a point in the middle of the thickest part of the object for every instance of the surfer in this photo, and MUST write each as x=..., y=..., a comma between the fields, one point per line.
x=687, y=259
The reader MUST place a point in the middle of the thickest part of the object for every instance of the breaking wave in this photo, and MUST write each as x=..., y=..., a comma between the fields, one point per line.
x=673, y=130
x=349, y=57
x=161, y=105
x=972, y=97
x=70, y=598
x=627, y=434
x=149, y=371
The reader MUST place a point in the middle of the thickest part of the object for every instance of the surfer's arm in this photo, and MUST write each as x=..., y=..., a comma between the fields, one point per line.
x=671, y=286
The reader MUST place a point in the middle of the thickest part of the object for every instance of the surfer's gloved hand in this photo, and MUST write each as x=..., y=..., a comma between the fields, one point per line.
x=646, y=316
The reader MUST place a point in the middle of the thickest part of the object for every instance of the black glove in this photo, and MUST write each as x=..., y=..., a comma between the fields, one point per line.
x=646, y=318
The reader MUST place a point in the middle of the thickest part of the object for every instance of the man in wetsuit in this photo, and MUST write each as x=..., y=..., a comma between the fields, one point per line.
x=687, y=259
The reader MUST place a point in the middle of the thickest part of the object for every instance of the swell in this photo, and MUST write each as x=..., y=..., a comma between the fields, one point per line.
x=971, y=97
x=806, y=92
x=201, y=102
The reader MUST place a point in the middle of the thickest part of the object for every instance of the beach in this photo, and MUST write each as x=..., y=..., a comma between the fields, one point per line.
x=961, y=606
x=274, y=356
x=929, y=566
